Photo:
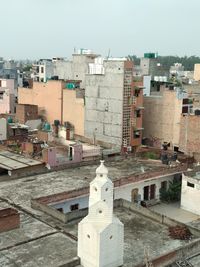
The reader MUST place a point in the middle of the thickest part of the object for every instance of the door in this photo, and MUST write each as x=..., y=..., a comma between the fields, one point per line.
x=134, y=195
x=146, y=192
x=152, y=191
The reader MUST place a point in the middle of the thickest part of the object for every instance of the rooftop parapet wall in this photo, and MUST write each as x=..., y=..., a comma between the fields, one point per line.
x=119, y=182
x=9, y=219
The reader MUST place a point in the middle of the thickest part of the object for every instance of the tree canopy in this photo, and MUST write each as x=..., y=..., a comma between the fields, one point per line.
x=167, y=61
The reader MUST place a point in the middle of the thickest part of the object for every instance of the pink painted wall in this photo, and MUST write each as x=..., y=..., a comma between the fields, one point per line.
x=47, y=96
x=7, y=102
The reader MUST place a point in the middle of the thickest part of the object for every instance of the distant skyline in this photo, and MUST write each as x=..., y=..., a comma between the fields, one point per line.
x=46, y=28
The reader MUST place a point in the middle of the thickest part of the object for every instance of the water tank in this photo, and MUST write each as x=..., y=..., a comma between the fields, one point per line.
x=56, y=122
x=47, y=126
x=10, y=120
x=149, y=55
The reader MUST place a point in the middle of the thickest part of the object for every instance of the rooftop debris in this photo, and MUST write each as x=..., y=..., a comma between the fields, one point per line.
x=180, y=232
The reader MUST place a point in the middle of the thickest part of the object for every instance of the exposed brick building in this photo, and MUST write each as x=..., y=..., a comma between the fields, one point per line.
x=25, y=112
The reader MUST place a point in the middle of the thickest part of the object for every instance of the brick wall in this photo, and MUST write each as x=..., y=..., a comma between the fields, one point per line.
x=9, y=219
x=189, y=135
x=26, y=112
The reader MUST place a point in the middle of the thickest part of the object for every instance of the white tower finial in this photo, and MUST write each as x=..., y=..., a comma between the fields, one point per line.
x=100, y=234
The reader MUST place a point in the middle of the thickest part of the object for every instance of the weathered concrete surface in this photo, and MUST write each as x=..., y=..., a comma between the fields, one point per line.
x=50, y=251
x=174, y=211
x=22, y=191
x=143, y=233
x=139, y=232
x=30, y=228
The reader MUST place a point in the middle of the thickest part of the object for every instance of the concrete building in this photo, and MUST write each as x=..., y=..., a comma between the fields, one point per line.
x=113, y=106
x=57, y=100
x=100, y=233
x=162, y=116
x=43, y=70
x=3, y=129
x=74, y=109
x=7, y=96
x=197, y=72
x=60, y=68
x=177, y=71
x=149, y=65
x=47, y=96
x=189, y=135
x=77, y=68
x=190, y=192
x=43, y=239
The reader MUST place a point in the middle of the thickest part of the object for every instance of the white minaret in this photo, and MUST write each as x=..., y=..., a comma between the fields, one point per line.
x=100, y=233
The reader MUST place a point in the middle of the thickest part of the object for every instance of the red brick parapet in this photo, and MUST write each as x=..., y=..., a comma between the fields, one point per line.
x=55, y=198
x=9, y=219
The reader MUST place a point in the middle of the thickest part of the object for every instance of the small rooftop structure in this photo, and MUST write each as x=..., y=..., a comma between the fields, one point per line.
x=11, y=164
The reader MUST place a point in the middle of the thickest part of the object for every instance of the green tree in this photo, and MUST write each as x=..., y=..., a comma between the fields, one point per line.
x=173, y=193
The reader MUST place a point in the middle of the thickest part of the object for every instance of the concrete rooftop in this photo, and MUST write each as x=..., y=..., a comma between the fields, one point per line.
x=21, y=191
x=11, y=161
x=139, y=233
x=34, y=244
x=43, y=241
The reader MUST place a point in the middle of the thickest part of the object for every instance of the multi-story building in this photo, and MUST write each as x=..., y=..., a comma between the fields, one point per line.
x=60, y=68
x=113, y=105
x=108, y=112
x=56, y=100
x=189, y=134
x=162, y=115
x=197, y=72
x=43, y=70
x=7, y=96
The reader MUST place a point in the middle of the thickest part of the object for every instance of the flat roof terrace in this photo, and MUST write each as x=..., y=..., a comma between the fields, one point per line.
x=121, y=172
x=34, y=243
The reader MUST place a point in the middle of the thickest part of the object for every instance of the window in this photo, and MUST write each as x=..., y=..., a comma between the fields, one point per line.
x=42, y=69
x=74, y=207
x=185, y=109
x=136, y=134
x=185, y=101
x=138, y=113
x=190, y=184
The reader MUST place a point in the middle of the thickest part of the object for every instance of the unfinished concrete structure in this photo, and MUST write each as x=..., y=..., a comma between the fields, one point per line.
x=60, y=68
x=162, y=116
x=113, y=106
x=189, y=135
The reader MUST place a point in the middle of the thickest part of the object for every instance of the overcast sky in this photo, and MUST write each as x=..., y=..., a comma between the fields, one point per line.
x=46, y=28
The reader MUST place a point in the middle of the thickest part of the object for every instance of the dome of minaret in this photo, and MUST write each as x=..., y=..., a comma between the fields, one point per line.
x=102, y=170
